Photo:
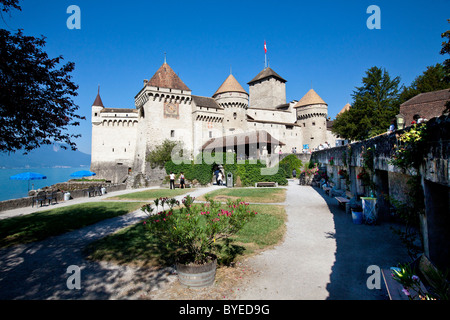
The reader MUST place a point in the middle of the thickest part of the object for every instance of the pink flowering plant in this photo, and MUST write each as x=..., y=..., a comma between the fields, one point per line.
x=196, y=227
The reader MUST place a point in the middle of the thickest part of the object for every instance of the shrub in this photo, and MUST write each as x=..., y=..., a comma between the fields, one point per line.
x=290, y=163
x=195, y=228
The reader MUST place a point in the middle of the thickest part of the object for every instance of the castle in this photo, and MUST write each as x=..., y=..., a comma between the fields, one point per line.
x=165, y=108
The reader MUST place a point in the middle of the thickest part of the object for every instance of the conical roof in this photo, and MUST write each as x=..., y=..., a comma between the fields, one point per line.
x=165, y=77
x=230, y=85
x=345, y=108
x=98, y=101
x=310, y=98
x=266, y=73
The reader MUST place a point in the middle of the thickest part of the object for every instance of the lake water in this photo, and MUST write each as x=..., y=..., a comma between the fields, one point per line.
x=12, y=189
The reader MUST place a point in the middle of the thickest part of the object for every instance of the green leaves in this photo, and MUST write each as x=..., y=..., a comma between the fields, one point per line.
x=375, y=104
x=36, y=105
x=195, y=228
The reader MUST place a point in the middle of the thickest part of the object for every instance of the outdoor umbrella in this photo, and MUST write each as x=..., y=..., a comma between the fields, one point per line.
x=28, y=176
x=82, y=173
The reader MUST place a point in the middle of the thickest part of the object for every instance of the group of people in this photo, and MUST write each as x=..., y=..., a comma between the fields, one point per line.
x=417, y=119
x=172, y=180
x=217, y=173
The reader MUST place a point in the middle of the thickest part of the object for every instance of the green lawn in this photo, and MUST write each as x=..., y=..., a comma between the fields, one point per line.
x=138, y=246
x=40, y=225
x=261, y=195
x=152, y=194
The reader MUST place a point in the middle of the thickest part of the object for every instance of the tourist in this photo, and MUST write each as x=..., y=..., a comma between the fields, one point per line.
x=172, y=180
x=392, y=126
x=216, y=173
x=182, y=185
x=219, y=178
x=294, y=173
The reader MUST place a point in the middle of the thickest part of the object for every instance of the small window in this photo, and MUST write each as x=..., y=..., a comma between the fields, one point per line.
x=95, y=114
x=172, y=133
x=112, y=149
x=210, y=134
x=234, y=115
x=313, y=123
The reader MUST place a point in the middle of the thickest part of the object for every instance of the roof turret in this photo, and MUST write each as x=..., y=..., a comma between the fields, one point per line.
x=230, y=85
x=310, y=98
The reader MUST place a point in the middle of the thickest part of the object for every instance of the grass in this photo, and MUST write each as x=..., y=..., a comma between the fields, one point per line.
x=151, y=194
x=44, y=224
x=258, y=195
x=137, y=246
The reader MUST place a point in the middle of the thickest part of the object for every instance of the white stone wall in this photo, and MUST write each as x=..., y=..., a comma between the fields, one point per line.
x=267, y=94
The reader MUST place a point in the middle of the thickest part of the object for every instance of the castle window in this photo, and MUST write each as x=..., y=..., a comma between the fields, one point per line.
x=112, y=149
x=172, y=133
x=304, y=124
x=234, y=115
x=313, y=123
x=125, y=149
x=210, y=134
x=95, y=114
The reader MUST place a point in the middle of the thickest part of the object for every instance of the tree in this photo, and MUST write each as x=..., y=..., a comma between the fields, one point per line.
x=36, y=106
x=375, y=105
x=432, y=79
x=446, y=50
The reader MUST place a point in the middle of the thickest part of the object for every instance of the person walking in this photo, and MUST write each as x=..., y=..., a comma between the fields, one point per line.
x=294, y=173
x=182, y=185
x=172, y=180
x=219, y=178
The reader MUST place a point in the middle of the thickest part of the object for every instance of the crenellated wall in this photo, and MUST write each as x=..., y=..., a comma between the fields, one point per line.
x=390, y=180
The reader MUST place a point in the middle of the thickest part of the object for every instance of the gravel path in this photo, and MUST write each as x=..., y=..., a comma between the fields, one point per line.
x=323, y=256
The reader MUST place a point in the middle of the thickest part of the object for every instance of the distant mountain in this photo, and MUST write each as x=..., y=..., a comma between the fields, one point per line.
x=46, y=156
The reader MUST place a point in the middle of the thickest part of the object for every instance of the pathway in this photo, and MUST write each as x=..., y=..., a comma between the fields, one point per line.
x=323, y=256
x=39, y=270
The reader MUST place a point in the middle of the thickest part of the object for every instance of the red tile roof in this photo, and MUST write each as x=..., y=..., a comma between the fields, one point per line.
x=165, y=77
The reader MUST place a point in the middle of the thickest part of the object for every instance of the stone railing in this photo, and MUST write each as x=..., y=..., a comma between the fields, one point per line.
x=388, y=181
x=78, y=191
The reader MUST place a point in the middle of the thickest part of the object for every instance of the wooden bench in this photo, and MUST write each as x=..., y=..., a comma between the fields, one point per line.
x=266, y=184
x=186, y=185
x=424, y=269
x=342, y=201
x=327, y=190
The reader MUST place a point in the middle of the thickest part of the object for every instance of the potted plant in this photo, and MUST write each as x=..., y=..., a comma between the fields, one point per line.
x=342, y=173
x=195, y=229
x=357, y=213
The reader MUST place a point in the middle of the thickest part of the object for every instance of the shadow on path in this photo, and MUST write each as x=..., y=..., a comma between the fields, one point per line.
x=357, y=248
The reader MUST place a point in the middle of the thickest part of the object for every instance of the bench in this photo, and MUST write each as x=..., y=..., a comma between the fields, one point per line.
x=425, y=271
x=177, y=185
x=342, y=201
x=327, y=190
x=266, y=184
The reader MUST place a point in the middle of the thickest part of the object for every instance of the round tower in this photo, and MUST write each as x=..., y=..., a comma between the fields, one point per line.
x=312, y=114
x=234, y=100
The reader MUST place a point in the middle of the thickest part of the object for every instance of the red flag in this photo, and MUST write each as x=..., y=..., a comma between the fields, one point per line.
x=265, y=47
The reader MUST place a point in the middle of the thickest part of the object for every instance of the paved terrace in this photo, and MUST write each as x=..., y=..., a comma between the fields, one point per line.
x=324, y=256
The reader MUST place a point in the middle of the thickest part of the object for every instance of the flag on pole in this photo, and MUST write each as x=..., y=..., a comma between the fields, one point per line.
x=265, y=47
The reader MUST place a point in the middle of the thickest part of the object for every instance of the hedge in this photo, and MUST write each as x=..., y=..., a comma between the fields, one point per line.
x=249, y=173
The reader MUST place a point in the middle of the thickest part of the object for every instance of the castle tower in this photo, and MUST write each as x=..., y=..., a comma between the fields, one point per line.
x=234, y=99
x=312, y=114
x=165, y=112
x=267, y=90
x=96, y=120
x=97, y=107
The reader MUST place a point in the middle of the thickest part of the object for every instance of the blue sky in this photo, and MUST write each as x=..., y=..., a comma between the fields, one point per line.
x=325, y=44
